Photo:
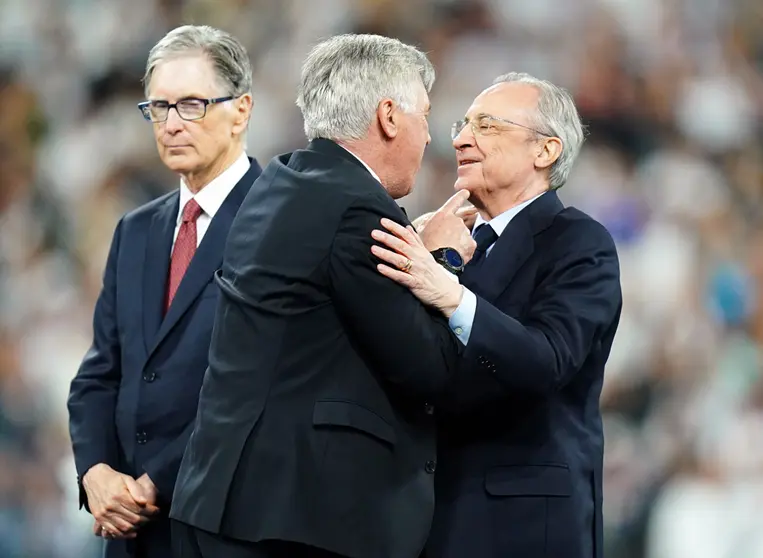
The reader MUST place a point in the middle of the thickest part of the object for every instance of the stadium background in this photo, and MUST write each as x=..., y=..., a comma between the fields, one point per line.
x=672, y=92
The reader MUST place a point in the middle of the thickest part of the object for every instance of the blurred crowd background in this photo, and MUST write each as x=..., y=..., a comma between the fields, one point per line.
x=672, y=93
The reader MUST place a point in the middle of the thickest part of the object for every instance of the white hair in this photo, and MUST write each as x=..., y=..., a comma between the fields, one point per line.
x=227, y=54
x=345, y=78
x=556, y=116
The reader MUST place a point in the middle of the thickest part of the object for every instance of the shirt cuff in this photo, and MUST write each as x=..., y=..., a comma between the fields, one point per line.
x=462, y=319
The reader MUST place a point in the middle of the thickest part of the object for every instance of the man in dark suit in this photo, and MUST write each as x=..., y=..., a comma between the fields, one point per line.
x=520, y=444
x=315, y=436
x=134, y=398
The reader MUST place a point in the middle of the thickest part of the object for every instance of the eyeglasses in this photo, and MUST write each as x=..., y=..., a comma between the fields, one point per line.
x=187, y=109
x=486, y=125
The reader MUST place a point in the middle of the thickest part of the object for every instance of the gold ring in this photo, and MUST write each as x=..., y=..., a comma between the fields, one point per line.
x=407, y=267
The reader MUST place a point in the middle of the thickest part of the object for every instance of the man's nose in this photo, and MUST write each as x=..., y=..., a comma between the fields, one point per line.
x=173, y=123
x=464, y=138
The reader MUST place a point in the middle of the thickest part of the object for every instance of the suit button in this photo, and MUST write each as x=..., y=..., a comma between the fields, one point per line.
x=141, y=437
x=430, y=467
x=429, y=409
x=150, y=377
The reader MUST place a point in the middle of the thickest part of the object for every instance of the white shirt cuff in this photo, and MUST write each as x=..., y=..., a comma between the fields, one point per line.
x=463, y=318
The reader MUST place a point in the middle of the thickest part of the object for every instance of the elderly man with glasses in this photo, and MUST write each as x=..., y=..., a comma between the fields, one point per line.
x=520, y=444
x=133, y=400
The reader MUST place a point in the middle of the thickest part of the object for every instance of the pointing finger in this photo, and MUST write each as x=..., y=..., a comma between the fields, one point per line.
x=455, y=201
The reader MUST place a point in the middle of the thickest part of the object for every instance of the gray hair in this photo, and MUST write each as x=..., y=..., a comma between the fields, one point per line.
x=227, y=54
x=345, y=77
x=556, y=116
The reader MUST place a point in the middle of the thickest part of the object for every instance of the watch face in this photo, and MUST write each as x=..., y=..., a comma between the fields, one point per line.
x=454, y=258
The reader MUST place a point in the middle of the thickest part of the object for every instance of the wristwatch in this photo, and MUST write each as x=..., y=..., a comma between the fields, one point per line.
x=450, y=259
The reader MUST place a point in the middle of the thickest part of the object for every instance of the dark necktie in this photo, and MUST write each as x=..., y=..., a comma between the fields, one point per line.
x=185, y=248
x=485, y=237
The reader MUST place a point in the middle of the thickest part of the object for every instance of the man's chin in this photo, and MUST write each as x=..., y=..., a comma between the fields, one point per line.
x=180, y=165
x=462, y=184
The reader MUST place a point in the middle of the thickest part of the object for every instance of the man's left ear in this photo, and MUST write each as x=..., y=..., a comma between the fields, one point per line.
x=549, y=153
x=243, y=111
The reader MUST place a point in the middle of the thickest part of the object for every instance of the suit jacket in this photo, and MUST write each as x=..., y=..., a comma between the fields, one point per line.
x=313, y=423
x=521, y=444
x=134, y=398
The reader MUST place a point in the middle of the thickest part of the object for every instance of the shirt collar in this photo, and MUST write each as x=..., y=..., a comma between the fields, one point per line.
x=500, y=222
x=362, y=162
x=212, y=196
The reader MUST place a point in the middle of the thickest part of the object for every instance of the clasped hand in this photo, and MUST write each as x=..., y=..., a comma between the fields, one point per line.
x=119, y=503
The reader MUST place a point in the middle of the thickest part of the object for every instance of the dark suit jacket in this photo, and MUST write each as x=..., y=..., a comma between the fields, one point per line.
x=313, y=425
x=521, y=446
x=134, y=398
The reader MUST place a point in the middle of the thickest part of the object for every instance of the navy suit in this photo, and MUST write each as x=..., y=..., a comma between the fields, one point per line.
x=133, y=401
x=520, y=443
x=313, y=424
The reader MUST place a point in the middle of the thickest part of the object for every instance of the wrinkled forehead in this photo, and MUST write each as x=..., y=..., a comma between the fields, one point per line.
x=184, y=76
x=512, y=101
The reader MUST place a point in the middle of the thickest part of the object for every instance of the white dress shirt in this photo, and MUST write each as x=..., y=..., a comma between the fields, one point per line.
x=463, y=318
x=211, y=197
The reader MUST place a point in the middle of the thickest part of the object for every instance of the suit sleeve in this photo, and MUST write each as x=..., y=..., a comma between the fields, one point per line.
x=93, y=391
x=572, y=308
x=163, y=468
x=408, y=344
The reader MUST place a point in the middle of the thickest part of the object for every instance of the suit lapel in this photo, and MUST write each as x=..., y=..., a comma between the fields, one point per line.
x=156, y=266
x=490, y=277
x=493, y=275
x=207, y=259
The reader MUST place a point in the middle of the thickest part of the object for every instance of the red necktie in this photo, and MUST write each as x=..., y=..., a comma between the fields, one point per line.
x=185, y=248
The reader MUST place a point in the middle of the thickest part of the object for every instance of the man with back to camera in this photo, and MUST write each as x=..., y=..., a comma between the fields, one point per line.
x=314, y=435
x=520, y=442
x=134, y=398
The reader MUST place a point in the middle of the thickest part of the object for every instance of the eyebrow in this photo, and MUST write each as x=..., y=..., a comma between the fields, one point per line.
x=480, y=115
x=183, y=98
